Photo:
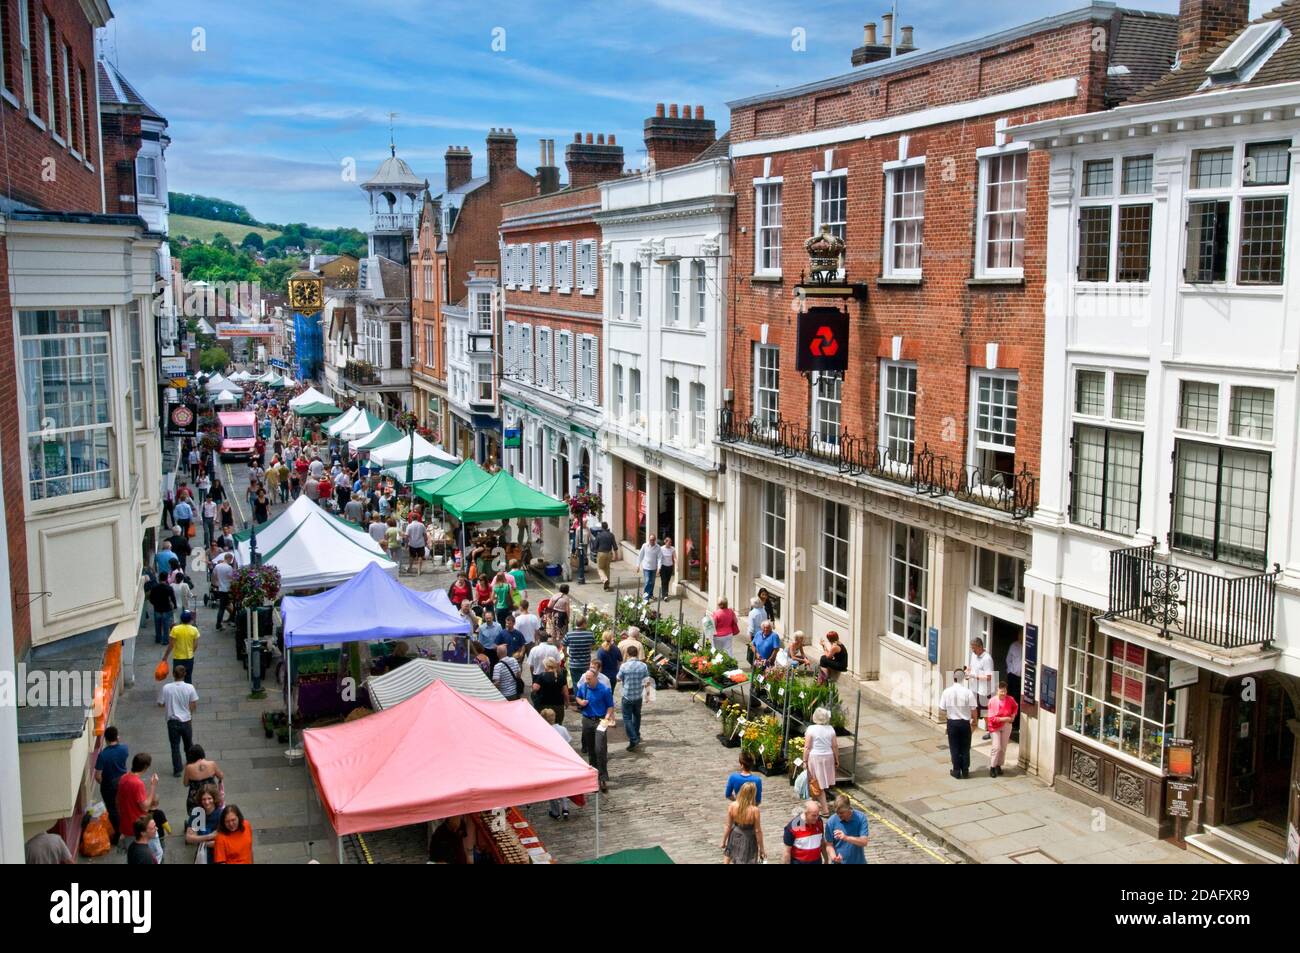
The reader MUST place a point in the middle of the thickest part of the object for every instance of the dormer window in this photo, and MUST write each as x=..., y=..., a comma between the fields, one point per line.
x=1247, y=53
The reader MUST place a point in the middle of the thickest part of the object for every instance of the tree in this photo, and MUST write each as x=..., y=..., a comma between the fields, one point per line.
x=213, y=359
x=275, y=275
x=222, y=242
x=253, y=240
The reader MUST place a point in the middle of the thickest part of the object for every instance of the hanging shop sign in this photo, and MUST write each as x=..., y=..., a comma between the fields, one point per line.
x=823, y=341
x=182, y=419
x=1049, y=689
x=513, y=438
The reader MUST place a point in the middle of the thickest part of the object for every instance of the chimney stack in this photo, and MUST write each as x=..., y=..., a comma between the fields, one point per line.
x=548, y=174
x=874, y=49
x=1204, y=23
x=679, y=137
x=503, y=151
x=460, y=163
x=590, y=162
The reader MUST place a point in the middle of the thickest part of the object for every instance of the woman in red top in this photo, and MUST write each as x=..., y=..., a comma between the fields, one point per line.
x=483, y=592
x=1002, y=712
x=459, y=590
x=724, y=627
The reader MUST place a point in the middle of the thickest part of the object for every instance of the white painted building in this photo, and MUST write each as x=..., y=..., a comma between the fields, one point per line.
x=665, y=248
x=1165, y=579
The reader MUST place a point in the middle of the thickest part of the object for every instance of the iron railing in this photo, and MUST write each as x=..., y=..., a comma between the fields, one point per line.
x=1226, y=612
x=360, y=372
x=924, y=471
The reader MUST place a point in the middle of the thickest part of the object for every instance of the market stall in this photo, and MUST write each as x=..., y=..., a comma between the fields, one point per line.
x=226, y=399
x=465, y=477
x=418, y=674
x=217, y=383
x=385, y=433
x=357, y=422
x=411, y=447
x=312, y=548
x=437, y=755
x=318, y=409
x=369, y=607
x=501, y=498
x=310, y=396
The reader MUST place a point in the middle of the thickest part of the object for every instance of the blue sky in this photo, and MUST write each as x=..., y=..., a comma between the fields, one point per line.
x=284, y=93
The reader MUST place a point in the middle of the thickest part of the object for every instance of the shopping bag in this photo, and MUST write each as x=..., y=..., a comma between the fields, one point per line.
x=190, y=531
x=95, y=837
x=160, y=671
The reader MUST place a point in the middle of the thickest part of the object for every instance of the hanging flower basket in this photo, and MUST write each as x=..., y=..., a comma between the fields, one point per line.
x=584, y=502
x=254, y=586
x=406, y=420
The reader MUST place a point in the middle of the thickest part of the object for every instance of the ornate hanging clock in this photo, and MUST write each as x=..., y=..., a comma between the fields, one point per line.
x=306, y=292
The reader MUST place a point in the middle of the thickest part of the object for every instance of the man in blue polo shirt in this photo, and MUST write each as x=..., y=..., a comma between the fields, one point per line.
x=847, y=833
x=110, y=767
x=766, y=644
x=594, y=701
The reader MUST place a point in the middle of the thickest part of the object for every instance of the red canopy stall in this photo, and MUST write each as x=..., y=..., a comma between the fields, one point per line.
x=437, y=754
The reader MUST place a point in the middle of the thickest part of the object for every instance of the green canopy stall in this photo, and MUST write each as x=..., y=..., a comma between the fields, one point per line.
x=385, y=434
x=465, y=477
x=502, y=497
x=318, y=410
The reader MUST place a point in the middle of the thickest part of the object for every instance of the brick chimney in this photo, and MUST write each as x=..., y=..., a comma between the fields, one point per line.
x=1204, y=23
x=678, y=137
x=590, y=162
x=873, y=50
x=502, y=150
x=548, y=173
x=459, y=166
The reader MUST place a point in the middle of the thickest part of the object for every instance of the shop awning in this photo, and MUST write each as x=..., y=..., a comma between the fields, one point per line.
x=415, y=676
x=437, y=754
x=502, y=497
x=465, y=477
x=372, y=605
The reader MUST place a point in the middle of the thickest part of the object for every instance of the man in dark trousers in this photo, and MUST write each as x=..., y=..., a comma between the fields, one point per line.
x=604, y=544
x=962, y=709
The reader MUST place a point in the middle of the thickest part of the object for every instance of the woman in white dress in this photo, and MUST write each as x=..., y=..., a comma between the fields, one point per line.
x=822, y=755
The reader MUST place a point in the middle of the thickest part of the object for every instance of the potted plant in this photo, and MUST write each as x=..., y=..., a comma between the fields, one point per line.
x=794, y=757
x=771, y=761
x=731, y=715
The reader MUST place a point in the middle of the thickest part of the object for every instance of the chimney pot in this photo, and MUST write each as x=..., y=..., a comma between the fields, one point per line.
x=659, y=110
x=590, y=140
x=699, y=112
x=600, y=138
x=905, y=37
x=887, y=26
x=869, y=35
x=672, y=111
x=611, y=139
x=577, y=137
x=686, y=111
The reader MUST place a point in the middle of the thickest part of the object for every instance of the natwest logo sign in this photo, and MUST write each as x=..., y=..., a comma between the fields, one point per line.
x=823, y=340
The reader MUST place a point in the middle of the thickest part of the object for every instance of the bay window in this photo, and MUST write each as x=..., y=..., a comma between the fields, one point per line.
x=1106, y=450
x=66, y=389
x=1256, y=197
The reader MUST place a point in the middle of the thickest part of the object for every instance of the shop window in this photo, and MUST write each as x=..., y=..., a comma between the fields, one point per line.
x=909, y=569
x=1116, y=691
x=1000, y=574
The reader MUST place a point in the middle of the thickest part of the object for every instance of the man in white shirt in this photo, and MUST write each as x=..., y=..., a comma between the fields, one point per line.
x=648, y=559
x=316, y=468
x=979, y=675
x=961, y=708
x=179, y=700
x=415, y=540
x=539, y=653
x=1015, y=665
x=223, y=573
x=526, y=622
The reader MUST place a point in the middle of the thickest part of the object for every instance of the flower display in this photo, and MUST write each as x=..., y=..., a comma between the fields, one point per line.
x=254, y=586
x=584, y=502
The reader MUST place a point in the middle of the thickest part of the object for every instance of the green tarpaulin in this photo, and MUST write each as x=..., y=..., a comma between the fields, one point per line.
x=318, y=410
x=502, y=497
x=382, y=437
x=424, y=471
x=644, y=855
x=465, y=477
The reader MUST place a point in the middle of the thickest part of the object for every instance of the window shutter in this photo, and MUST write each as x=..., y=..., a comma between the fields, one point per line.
x=526, y=262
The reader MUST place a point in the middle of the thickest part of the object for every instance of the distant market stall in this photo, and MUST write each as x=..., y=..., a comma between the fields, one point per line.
x=411, y=447
x=310, y=396
x=415, y=676
x=312, y=548
x=355, y=423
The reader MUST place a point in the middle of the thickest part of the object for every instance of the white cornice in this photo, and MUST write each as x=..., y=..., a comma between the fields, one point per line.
x=1050, y=91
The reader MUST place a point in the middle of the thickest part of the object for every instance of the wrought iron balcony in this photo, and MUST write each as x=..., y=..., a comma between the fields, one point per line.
x=925, y=472
x=1226, y=612
x=361, y=372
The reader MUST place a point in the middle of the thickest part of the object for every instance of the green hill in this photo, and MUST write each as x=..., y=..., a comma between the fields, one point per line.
x=205, y=229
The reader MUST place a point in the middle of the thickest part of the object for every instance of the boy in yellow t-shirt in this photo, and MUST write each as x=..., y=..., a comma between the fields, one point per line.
x=182, y=643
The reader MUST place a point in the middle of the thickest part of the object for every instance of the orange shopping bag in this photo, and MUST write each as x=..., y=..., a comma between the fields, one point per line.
x=160, y=671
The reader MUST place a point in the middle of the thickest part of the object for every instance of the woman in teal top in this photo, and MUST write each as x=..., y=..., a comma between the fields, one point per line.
x=501, y=595
x=519, y=576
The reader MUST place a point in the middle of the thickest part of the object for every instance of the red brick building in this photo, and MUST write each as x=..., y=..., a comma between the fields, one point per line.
x=552, y=336
x=78, y=403
x=457, y=229
x=885, y=501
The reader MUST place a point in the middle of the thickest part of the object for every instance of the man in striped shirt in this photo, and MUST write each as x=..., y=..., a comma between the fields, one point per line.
x=804, y=837
x=578, y=643
x=632, y=673
x=506, y=675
